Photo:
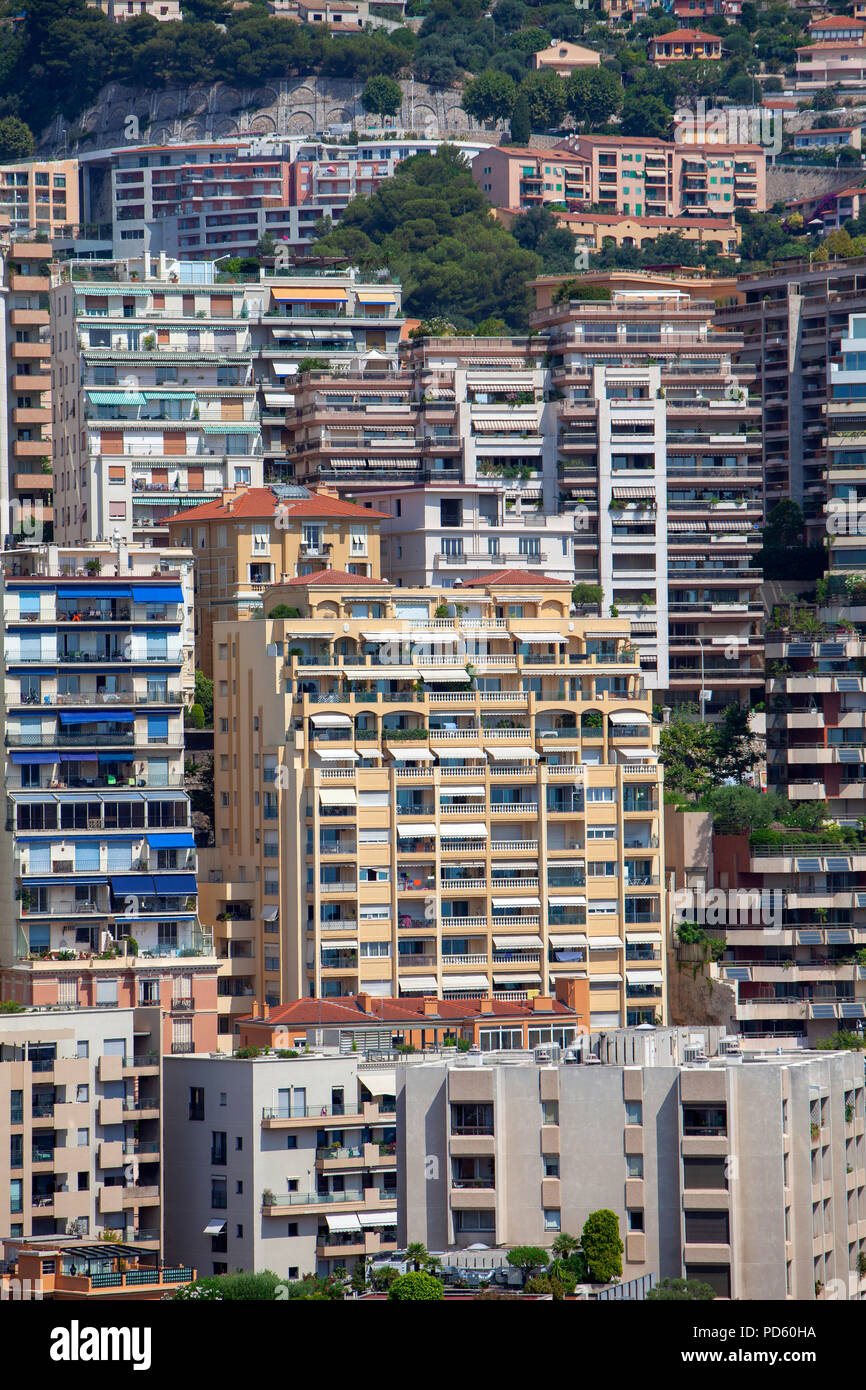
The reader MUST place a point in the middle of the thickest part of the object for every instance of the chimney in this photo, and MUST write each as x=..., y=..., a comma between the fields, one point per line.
x=542, y=1004
x=429, y=1006
x=486, y=1006
x=365, y=1003
x=266, y=1011
x=254, y=1011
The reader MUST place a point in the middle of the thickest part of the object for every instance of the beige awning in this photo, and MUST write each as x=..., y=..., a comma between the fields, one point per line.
x=567, y=939
x=511, y=755
x=380, y=1083
x=644, y=977
x=512, y=943
x=528, y=977
x=466, y=830
x=501, y=903
x=344, y=796
x=333, y=755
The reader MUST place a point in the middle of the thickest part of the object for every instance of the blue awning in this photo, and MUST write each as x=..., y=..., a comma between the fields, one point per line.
x=15, y=668
x=117, y=716
x=63, y=878
x=175, y=883
x=183, y=840
x=157, y=593
x=131, y=883
x=33, y=757
x=104, y=592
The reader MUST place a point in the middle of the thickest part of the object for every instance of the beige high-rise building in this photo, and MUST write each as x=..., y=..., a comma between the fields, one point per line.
x=747, y=1174
x=251, y=538
x=421, y=796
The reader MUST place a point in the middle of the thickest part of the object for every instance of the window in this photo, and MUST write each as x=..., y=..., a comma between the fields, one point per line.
x=218, y=1147
x=707, y=1228
x=218, y=1194
x=196, y=1102
x=634, y=1112
x=16, y=1107
x=635, y=1220
x=292, y=1228
x=291, y=1141
x=16, y=1190
x=551, y=1167
x=550, y=1112
x=82, y=1094
x=634, y=1166
x=553, y=1219
x=704, y=1173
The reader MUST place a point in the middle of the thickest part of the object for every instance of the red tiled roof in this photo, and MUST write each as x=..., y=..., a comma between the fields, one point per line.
x=301, y=1012
x=329, y=577
x=686, y=36
x=836, y=21
x=519, y=577
x=262, y=502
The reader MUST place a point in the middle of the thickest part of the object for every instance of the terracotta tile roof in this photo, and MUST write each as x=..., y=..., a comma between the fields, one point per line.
x=263, y=502
x=329, y=577
x=300, y=1012
x=686, y=36
x=512, y=577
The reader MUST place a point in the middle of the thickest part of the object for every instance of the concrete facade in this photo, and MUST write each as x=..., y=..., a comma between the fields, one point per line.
x=80, y=1091
x=294, y=1159
x=707, y=1165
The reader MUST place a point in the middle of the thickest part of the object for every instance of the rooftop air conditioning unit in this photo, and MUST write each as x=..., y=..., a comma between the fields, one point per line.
x=695, y=1056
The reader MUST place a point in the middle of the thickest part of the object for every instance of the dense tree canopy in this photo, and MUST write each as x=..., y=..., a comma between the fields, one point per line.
x=433, y=227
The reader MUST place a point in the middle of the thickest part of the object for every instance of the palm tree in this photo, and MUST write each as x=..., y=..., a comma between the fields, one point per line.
x=565, y=1245
x=417, y=1254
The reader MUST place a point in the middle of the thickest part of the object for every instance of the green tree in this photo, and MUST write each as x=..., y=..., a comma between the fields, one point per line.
x=16, y=139
x=586, y=594
x=740, y=810
x=601, y=1245
x=384, y=1277
x=490, y=328
x=681, y=1291
x=382, y=96
x=521, y=121
x=645, y=114
x=417, y=1254
x=565, y=1245
x=203, y=696
x=195, y=716
x=593, y=95
x=546, y=94
x=490, y=96
x=527, y=1258
x=416, y=1287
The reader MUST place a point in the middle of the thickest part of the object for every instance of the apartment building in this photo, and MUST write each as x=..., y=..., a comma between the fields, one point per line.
x=151, y=370
x=281, y=1164
x=451, y=444
x=745, y=1173
x=791, y=322
x=99, y=858
x=379, y=1025
x=80, y=1096
x=26, y=481
x=479, y=808
x=830, y=138
x=639, y=176
x=595, y=230
x=684, y=45
x=792, y=922
x=39, y=198
x=832, y=62
x=119, y=10
x=200, y=199
x=657, y=447
x=255, y=537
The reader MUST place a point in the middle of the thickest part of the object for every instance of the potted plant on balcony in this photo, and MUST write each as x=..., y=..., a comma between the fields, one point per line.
x=268, y=1198
x=93, y=566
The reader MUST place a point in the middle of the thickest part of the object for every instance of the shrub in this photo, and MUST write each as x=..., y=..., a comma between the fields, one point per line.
x=195, y=716
x=601, y=1244
x=415, y=1287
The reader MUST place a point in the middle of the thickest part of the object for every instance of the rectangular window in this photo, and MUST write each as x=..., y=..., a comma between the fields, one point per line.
x=218, y=1194
x=196, y=1102
x=218, y=1148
